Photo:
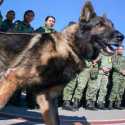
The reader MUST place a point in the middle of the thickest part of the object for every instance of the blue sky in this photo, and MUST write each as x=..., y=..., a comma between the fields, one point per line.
x=66, y=10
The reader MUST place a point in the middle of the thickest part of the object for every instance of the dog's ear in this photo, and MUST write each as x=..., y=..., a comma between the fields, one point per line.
x=107, y=21
x=87, y=12
x=104, y=16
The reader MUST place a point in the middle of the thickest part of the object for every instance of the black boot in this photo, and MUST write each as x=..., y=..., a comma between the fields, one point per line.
x=75, y=106
x=110, y=106
x=90, y=105
x=101, y=105
x=67, y=105
x=118, y=105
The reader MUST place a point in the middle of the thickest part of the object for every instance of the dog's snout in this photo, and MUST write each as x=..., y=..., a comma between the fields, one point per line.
x=119, y=35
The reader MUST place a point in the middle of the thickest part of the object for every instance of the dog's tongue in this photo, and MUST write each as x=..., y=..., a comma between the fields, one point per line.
x=109, y=50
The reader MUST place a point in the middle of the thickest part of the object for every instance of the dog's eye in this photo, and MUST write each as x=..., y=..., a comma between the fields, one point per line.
x=100, y=24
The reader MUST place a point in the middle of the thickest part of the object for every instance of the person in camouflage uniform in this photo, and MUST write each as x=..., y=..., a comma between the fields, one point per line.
x=24, y=26
x=102, y=80
x=8, y=24
x=92, y=85
x=48, y=25
x=73, y=91
x=118, y=78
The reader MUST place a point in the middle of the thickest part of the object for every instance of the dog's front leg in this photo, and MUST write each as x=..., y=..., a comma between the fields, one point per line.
x=8, y=85
x=49, y=109
x=10, y=81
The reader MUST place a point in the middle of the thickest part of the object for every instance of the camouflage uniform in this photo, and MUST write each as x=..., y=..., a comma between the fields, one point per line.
x=69, y=89
x=118, y=79
x=102, y=81
x=45, y=29
x=92, y=85
x=74, y=89
x=6, y=26
x=82, y=80
x=22, y=27
x=78, y=84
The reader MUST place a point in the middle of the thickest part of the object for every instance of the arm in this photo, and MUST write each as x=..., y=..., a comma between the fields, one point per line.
x=117, y=65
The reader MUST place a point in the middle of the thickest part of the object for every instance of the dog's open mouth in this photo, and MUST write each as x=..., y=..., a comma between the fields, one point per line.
x=110, y=49
x=107, y=47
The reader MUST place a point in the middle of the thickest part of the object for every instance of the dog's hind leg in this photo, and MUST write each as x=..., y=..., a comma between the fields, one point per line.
x=54, y=110
x=48, y=107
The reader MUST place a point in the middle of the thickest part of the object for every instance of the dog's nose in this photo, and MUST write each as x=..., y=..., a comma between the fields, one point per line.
x=118, y=35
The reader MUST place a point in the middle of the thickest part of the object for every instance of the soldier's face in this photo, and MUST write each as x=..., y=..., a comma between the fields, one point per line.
x=11, y=16
x=50, y=22
x=29, y=17
x=120, y=50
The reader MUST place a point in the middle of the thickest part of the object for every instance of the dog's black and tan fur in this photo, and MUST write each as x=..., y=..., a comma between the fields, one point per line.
x=49, y=61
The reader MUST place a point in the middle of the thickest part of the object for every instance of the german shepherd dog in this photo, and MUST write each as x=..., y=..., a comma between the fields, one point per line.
x=49, y=61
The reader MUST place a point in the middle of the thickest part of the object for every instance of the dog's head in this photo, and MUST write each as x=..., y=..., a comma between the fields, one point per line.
x=96, y=33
